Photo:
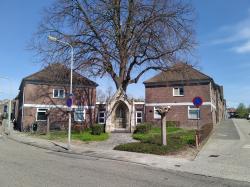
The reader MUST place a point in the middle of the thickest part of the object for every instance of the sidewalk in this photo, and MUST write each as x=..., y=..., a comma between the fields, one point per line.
x=163, y=162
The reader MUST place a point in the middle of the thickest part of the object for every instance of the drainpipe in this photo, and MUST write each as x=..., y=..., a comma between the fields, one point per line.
x=22, y=109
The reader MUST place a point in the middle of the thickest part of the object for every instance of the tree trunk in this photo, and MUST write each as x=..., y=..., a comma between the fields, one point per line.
x=163, y=130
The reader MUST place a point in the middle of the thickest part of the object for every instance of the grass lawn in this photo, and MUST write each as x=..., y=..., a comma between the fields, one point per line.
x=178, y=139
x=84, y=136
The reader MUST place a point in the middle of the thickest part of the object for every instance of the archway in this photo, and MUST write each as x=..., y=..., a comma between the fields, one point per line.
x=121, y=115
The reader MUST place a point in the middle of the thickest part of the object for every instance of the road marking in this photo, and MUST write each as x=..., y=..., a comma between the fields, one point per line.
x=246, y=146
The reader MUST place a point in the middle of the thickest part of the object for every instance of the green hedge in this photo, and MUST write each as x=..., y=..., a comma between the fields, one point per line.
x=96, y=129
x=143, y=128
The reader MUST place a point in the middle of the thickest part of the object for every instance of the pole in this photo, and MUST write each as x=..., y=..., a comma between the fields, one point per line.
x=71, y=82
x=71, y=96
x=9, y=116
x=197, y=134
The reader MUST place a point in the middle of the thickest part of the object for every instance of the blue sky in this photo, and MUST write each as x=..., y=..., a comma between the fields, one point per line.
x=223, y=50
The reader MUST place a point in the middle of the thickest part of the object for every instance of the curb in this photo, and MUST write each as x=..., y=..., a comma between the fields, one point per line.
x=63, y=149
x=34, y=144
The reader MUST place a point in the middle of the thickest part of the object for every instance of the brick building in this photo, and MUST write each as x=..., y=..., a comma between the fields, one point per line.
x=42, y=99
x=177, y=87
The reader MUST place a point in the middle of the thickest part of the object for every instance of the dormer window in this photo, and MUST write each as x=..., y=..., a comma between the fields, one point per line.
x=178, y=91
x=59, y=93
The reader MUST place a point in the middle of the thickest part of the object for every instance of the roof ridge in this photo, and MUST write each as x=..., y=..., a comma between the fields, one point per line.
x=183, y=72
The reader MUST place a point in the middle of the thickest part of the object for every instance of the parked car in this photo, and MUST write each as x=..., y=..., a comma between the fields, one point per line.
x=248, y=117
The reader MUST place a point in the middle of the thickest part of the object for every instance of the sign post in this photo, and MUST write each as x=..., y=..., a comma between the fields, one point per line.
x=197, y=101
x=69, y=103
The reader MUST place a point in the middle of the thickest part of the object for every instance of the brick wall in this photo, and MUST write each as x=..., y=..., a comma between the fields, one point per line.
x=43, y=95
x=179, y=113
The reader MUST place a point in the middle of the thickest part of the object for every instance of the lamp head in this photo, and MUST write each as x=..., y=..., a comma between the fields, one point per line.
x=54, y=39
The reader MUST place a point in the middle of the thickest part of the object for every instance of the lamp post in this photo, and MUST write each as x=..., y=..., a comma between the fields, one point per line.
x=9, y=108
x=71, y=81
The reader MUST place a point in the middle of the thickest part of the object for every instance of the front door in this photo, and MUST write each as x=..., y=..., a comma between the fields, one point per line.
x=121, y=114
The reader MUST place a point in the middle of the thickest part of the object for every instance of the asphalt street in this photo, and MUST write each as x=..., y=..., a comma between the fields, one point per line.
x=24, y=165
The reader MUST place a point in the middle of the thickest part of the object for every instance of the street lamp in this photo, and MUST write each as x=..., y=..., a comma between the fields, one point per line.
x=54, y=39
x=9, y=108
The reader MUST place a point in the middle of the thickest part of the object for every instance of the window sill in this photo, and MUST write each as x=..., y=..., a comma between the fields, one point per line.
x=178, y=95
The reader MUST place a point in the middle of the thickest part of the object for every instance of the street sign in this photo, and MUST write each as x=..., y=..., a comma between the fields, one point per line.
x=197, y=101
x=69, y=102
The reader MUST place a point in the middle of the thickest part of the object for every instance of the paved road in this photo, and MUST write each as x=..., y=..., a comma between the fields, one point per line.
x=227, y=153
x=23, y=165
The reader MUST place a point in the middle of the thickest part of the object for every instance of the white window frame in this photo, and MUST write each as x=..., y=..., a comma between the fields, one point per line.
x=58, y=97
x=77, y=109
x=179, y=95
x=136, y=117
x=104, y=118
x=156, y=115
x=38, y=110
x=196, y=109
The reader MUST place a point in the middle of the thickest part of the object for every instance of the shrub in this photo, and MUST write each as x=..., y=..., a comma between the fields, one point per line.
x=78, y=128
x=188, y=138
x=172, y=124
x=96, y=129
x=143, y=128
x=143, y=148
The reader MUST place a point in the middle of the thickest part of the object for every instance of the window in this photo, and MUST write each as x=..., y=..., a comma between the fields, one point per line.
x=193, y=112
x=178, y=91
x=79, y=114
x=58, y=93
x=156, y=114
x=101, y=117
x=138, y=117
x=41, y=114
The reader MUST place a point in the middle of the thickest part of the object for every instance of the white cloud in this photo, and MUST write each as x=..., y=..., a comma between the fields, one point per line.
x=244, y=48
x=237, y=34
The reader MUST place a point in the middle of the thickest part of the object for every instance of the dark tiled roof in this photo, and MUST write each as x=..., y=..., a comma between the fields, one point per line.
x=58, y=74
x=179, y=72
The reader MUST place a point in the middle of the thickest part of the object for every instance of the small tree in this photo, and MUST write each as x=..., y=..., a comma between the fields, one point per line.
x=162, y=111
x=242, y=111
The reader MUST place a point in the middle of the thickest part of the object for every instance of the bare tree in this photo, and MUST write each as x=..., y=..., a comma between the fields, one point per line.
x=109, y=93
x=120, y=38
x=100, y=96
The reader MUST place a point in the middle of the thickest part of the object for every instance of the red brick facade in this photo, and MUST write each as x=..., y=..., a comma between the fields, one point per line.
x=36, y=95
x=159, y=91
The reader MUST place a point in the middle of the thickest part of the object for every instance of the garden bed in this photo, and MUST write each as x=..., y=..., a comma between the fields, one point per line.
x=178, y=139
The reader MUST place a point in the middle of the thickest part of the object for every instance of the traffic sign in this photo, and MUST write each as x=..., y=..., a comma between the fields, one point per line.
x=69, y=102
x=197, y=101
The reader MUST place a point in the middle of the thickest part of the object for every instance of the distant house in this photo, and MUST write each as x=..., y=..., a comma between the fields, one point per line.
x=42, y=99
x=177, y=87
x=231, y=112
